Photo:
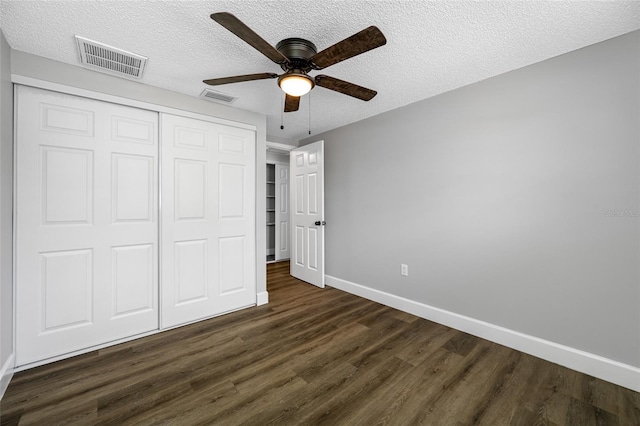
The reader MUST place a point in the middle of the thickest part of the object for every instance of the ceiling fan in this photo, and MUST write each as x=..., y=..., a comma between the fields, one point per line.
x=297, y=56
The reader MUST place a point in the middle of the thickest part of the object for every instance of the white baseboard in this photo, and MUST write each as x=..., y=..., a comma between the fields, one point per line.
x=575, y=359
x=262, y=298
x=6, y=373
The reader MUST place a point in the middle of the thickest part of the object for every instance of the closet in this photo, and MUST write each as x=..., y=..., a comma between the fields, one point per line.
x=277, y=204
x=98, y=258
x=271, y=212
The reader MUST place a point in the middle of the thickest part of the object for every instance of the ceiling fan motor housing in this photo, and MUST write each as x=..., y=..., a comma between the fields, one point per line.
x=298, y=51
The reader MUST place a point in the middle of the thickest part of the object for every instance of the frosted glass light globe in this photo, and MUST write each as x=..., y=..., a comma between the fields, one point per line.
x=296, y=85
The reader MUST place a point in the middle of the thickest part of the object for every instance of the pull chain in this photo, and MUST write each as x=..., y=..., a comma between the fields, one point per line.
x=282, y=111
x=309, y=112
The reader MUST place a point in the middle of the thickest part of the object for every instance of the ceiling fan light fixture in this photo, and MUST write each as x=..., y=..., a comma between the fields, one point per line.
x=295, y=84
x=297, y=56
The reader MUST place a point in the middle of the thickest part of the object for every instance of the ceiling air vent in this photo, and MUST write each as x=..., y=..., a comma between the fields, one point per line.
x=110, y=60
x=212, y=95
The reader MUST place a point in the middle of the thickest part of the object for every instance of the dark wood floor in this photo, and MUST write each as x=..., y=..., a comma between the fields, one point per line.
x=312, y=357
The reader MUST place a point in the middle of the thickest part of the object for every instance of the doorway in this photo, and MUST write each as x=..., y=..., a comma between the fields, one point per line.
x=271, y=213
x=277, y=206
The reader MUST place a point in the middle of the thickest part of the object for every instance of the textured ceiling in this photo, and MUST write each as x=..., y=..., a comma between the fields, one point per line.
x=432, y=47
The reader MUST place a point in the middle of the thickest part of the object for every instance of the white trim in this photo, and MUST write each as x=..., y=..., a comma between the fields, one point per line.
x=160, y=171
x=278, y=162
x=10, y=363
x=260, y=222
x=6, y=373
x=280, y=146
x=575, y=359
x=56, y=87
x=262, y=298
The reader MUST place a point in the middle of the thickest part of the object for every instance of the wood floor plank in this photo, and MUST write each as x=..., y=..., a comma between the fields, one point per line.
x=538, y=407
x=312, y=356
x=431, y=337
x=331, y=377
x=582, y=413
x=338, y=407
x=426, y=381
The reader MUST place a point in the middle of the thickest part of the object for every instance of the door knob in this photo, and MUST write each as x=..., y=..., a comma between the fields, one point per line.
x=318, y=223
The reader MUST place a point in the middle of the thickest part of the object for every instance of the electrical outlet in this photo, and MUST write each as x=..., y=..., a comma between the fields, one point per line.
x=404, y=270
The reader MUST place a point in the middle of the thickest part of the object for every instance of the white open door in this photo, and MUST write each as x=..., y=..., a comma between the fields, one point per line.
x=306, y=167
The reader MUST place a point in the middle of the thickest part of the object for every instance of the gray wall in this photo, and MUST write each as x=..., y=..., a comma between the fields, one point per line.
x=513, y=200
x=6, y=200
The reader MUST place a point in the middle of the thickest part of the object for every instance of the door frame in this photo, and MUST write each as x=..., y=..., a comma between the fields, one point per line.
x=279, y=215
x=283, y=150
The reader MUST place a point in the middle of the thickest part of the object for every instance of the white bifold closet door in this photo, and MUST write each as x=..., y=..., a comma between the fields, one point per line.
x=208, y=219
x=87, y=223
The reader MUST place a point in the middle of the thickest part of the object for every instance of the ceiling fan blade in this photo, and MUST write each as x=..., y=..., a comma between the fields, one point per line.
x=239, y=78
x=361, y=42
x=237, y=27
x=291, y=103
x=345, y=87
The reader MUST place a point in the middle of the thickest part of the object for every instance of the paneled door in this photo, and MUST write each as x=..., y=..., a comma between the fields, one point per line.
x=87, y=223
x=307, y=210
x=282, y=212
x=208, y=219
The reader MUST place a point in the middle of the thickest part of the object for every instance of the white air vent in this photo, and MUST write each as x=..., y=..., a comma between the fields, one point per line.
x=212, y=95
x=109, y=59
